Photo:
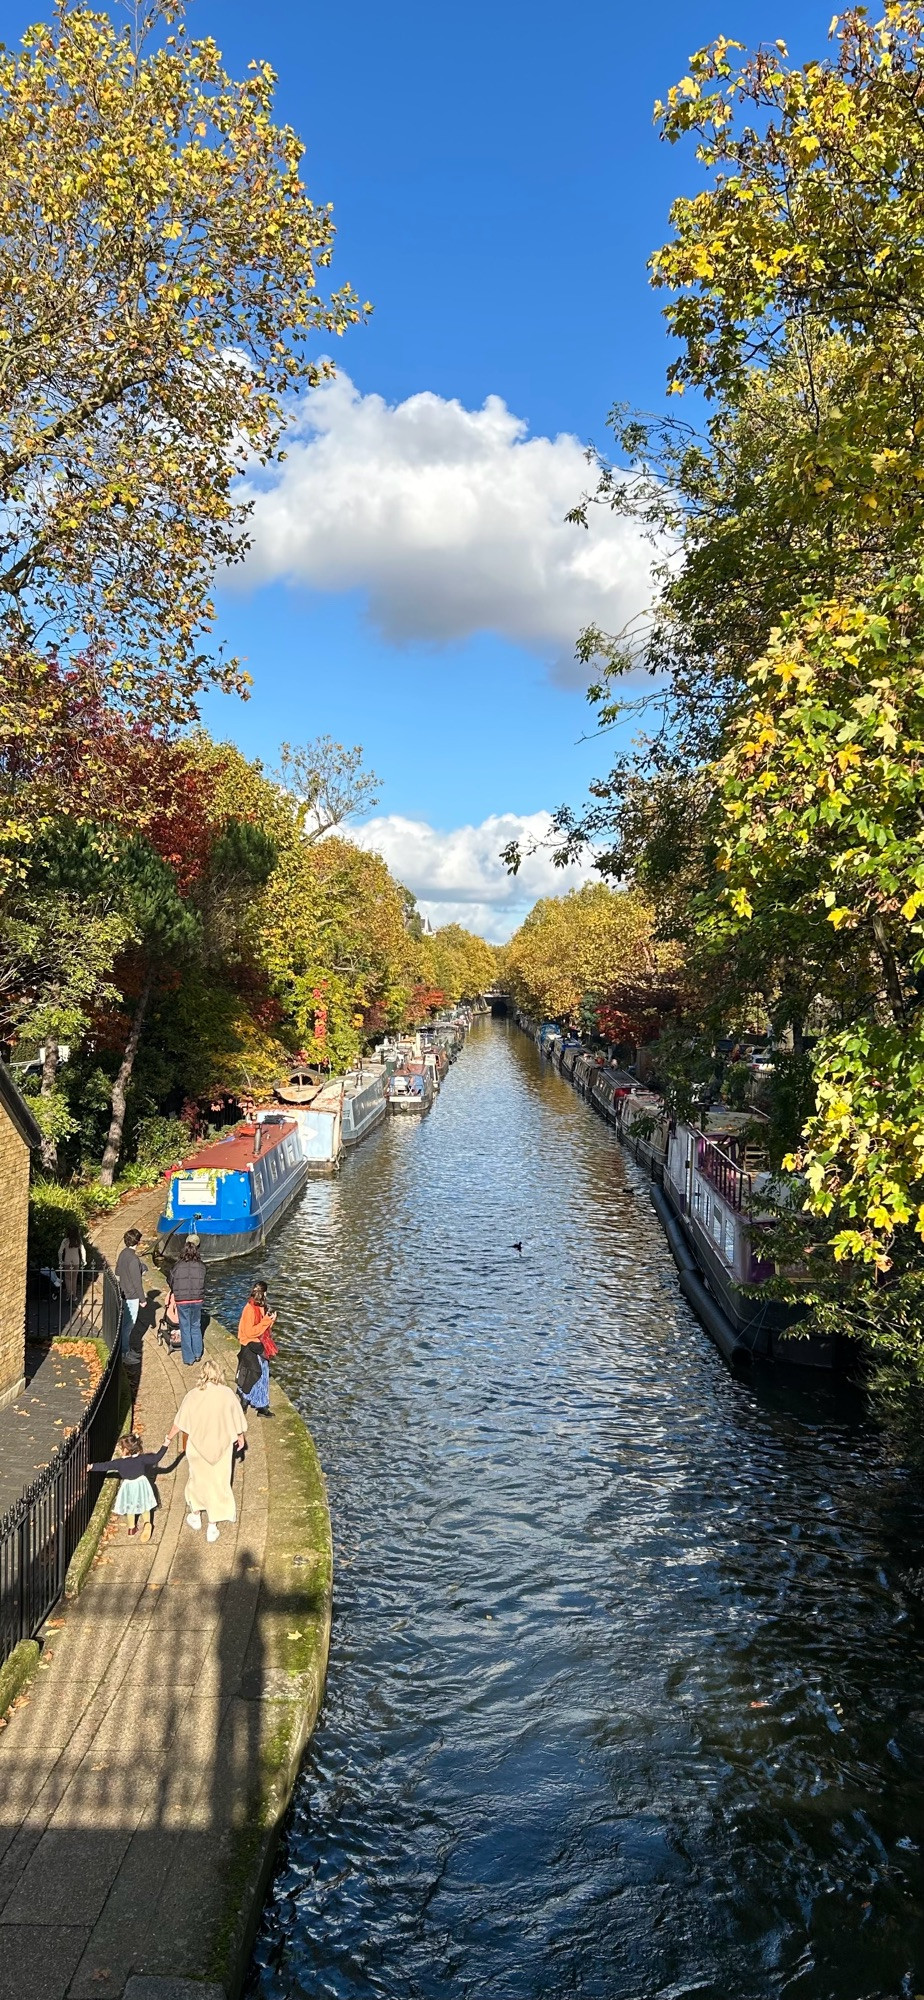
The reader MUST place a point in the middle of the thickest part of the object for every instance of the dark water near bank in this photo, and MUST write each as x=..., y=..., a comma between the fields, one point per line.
x=626, y=1696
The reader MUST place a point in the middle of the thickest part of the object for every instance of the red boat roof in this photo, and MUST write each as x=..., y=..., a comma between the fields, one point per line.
x=236, y=1152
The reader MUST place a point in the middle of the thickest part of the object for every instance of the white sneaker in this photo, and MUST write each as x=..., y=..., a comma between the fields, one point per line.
x=194, y=1520
x=211, y=1533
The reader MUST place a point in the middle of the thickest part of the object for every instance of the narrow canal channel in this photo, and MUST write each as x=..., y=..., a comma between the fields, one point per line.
x=626, y=1695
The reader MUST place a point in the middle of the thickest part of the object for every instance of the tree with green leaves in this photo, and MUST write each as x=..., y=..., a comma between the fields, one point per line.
x=162, y=928
x=162, y=260
x=773, y=806
x=62, y=931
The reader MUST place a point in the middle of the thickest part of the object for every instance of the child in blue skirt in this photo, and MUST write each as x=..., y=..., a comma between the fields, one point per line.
x=134, y=1469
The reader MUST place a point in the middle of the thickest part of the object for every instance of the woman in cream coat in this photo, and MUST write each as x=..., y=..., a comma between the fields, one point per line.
x=214, y=1423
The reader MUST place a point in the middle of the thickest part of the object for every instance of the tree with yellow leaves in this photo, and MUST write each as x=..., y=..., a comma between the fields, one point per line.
x=775, y=810
x=589, y=951
x=335, y=946
x=158, y=287
x=457, y=963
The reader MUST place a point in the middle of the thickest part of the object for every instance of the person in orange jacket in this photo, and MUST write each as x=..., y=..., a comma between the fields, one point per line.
x=253, y=1364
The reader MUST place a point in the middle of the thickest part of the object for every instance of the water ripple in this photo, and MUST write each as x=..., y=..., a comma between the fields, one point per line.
x=625, y=1696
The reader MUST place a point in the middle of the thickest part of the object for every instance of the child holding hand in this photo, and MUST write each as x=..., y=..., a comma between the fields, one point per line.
x=134, y=1468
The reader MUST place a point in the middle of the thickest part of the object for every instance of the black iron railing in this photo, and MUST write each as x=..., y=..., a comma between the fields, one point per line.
x=730, y=1180
x=68, y=1303
x=39, y=1534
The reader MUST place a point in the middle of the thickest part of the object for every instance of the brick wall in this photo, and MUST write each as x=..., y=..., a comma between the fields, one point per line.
x=14, y=1220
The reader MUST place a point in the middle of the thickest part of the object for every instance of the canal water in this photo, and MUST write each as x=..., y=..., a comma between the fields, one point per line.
x=626, y=1694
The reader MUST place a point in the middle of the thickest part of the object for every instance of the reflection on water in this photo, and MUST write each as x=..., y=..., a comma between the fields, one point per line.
x=626, y=1697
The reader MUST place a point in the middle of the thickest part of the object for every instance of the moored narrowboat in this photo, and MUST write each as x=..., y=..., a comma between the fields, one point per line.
x=364, y=1102
x=715, y=1197
x=718, y=1187
x=232, y=1193
x=411, y=1089
x=319, y=1126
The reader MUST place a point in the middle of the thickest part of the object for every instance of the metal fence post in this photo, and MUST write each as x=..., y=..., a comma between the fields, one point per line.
x=40, y=1532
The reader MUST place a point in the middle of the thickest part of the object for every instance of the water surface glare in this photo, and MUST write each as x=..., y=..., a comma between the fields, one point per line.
x=625, y=1695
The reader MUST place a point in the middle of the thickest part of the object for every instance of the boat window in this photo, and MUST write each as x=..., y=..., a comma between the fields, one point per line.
x=717, y=1225
x=729, y=1239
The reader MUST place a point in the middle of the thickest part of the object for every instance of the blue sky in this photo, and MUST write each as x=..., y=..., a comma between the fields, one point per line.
x=498, y=186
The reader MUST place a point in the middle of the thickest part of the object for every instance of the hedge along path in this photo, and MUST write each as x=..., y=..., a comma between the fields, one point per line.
x=144, y=1780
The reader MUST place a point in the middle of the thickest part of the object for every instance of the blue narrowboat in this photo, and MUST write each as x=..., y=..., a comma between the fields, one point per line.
x=231, y=1194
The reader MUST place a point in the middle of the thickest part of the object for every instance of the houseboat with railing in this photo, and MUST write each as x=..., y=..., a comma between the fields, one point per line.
x=232, y=1193
x=719, y=1193
x=714, y=1194
x=435, y=1056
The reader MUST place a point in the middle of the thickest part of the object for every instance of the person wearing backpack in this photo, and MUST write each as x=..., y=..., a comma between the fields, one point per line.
x=188, y=1287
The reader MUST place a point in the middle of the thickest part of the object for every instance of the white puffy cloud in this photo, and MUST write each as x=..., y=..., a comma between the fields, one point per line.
x=459, y=878
x=447, y=521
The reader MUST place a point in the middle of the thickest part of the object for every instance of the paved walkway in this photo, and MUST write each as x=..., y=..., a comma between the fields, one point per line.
x=126, y=1773
x=57, y=1391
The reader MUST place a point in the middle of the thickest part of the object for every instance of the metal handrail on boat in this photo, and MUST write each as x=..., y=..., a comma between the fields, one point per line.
x=730, y=1180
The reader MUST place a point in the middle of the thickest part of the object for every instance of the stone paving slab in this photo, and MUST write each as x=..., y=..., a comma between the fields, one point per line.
x=32, y=1428
x=138, y=1803
x=37, y=1963
x=107, y=1770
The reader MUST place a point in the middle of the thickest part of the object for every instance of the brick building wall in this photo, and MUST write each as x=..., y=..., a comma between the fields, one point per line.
x=14, y=1222
x=19, y=1134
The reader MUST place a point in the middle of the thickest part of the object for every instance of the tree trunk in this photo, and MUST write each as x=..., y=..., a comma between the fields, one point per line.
x=120, y=1087
x=890, y=970
x=49, y=1084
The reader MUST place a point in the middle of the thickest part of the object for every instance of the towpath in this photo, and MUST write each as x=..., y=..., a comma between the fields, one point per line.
x=142, y=1777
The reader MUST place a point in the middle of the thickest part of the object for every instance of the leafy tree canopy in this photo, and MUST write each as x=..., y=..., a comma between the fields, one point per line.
x=162, y=259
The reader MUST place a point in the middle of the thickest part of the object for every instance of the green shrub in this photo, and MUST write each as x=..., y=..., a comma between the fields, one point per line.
x=138, y=1174
x=736, y=1086
x=159, y=1141
x=54, y=1207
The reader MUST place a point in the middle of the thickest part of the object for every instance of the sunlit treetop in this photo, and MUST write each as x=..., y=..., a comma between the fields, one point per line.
x=160, y=288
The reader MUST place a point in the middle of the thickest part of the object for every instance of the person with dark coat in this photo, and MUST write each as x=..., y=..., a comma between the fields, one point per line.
x=135, y=1469
x=188, y=1288
x=130, y=1273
